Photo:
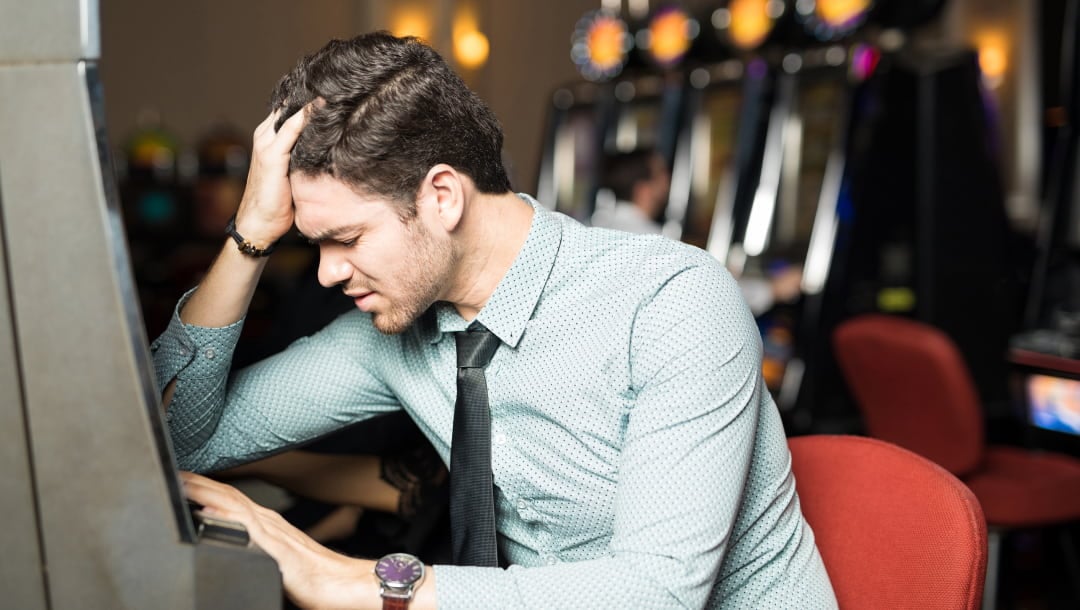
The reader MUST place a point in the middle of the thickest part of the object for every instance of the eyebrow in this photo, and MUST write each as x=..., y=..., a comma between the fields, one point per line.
x=329, y=234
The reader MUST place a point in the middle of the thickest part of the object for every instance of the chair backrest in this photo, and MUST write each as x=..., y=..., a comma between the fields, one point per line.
x=913, y=388
x=894, y=529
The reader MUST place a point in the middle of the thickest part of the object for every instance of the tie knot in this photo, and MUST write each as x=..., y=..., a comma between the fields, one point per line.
x=475, y=346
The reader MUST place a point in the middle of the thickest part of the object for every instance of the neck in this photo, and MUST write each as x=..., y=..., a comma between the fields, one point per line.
x=493, y=230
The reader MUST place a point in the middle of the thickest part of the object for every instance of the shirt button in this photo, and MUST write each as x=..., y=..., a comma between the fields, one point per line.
x=168, y=416
x=210, y=353
x=500, y=439
x=522, y=504
x=551, y=560
x=154, y=346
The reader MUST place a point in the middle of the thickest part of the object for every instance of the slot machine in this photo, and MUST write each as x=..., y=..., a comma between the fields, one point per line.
x=908, y=214
x=929, y=236
x=720, y=144
x=94, y=513
x=650, y=100
x=631, y=98
x=649, y=93
x=765, y=202
x=1045, y=355
x=579, y=115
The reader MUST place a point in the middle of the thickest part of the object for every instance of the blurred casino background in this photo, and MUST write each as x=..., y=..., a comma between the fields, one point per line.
x=776, y=119
x=913, y=158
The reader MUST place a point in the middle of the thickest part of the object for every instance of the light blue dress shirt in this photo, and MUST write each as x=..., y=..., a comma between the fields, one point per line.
x=638, y=461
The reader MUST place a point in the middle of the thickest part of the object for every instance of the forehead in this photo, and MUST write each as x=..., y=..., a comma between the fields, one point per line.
x=323, y=198
x=307, y=188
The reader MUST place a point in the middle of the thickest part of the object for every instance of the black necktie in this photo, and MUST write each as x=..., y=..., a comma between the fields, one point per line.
x=472, y=504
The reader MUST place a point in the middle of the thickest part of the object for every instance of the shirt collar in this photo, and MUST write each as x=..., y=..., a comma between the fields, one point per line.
x=512, y=304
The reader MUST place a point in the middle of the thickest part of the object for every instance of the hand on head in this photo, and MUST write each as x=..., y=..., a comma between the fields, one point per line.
x=266, y=211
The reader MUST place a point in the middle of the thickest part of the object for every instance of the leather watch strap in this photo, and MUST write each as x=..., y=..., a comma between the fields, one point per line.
x=395, y=603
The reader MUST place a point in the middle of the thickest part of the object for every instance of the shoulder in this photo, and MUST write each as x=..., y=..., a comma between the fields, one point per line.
x=618, y=258
x=642, y=276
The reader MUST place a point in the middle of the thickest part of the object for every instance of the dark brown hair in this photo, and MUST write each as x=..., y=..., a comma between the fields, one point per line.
x=393, y=110
x=622, y=171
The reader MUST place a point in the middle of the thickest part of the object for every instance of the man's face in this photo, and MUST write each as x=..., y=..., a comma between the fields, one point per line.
x=391, y=268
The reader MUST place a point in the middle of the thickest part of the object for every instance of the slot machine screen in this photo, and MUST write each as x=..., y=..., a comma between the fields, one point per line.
x=814, y=127
x=1053, y=403
x=819, y=106
x=576, y=162
x=637, y=126
x=715, y=130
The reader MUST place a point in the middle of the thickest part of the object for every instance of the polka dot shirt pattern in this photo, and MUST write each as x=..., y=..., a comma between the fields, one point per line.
x=638, y=462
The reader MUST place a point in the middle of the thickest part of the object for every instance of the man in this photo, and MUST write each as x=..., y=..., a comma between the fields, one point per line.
x=639, y=180
x=637, y=461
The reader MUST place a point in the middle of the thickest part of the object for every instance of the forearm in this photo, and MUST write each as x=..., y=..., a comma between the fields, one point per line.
x=325, y=579
x=335, y=479
x=225, y=293
x=264, y=215
x=222, y=298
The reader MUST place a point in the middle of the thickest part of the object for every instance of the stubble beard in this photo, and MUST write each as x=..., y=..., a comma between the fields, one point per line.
x=432, y=262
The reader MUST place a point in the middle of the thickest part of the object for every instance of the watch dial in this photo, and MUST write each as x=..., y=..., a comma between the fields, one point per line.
x=399, y=569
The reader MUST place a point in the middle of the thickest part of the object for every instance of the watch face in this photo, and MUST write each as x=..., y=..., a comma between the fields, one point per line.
x=399, y=570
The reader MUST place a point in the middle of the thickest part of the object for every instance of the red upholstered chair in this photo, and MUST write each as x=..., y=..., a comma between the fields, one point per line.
x=894, y=529
x=914, y=389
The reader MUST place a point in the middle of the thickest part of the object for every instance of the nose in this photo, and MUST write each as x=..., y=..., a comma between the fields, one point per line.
x=334, y=269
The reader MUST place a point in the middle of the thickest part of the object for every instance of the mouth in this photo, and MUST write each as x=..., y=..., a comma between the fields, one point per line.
x=362, y=300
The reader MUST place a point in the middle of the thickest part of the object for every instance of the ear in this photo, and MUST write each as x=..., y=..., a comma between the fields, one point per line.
x=443, y=191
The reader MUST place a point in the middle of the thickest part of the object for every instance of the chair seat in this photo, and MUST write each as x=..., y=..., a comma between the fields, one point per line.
x=1019, y=487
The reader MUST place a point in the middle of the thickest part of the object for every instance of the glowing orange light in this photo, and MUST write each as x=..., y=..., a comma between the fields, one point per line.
x=669, y=33
x=993, y=48
x=605, y=42
x=750, y=23
x=471, y=49
x=411, y=22
x=993, y=62
x=841, y=12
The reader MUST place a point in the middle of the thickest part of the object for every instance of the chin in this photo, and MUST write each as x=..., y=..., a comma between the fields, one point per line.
x=389, y=325
x=394, y=323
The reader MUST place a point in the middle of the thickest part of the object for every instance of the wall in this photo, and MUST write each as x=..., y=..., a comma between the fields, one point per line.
x=201, y=62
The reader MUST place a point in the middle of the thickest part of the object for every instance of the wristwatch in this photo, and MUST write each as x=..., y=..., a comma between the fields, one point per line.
x=399, y=574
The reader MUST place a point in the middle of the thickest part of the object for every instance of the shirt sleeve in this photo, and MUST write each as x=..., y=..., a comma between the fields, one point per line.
x=695, y=368
x=217, y=419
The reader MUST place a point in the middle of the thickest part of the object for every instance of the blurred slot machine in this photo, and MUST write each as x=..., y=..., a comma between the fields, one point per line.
x=1046, y=390
x=631, y=99
x=649, y=107
x=579, y=115
x=94, y=512
x=785, y=223
x=1045, y=355
x=721, y=142
x=928, y=236
x=883, y=183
